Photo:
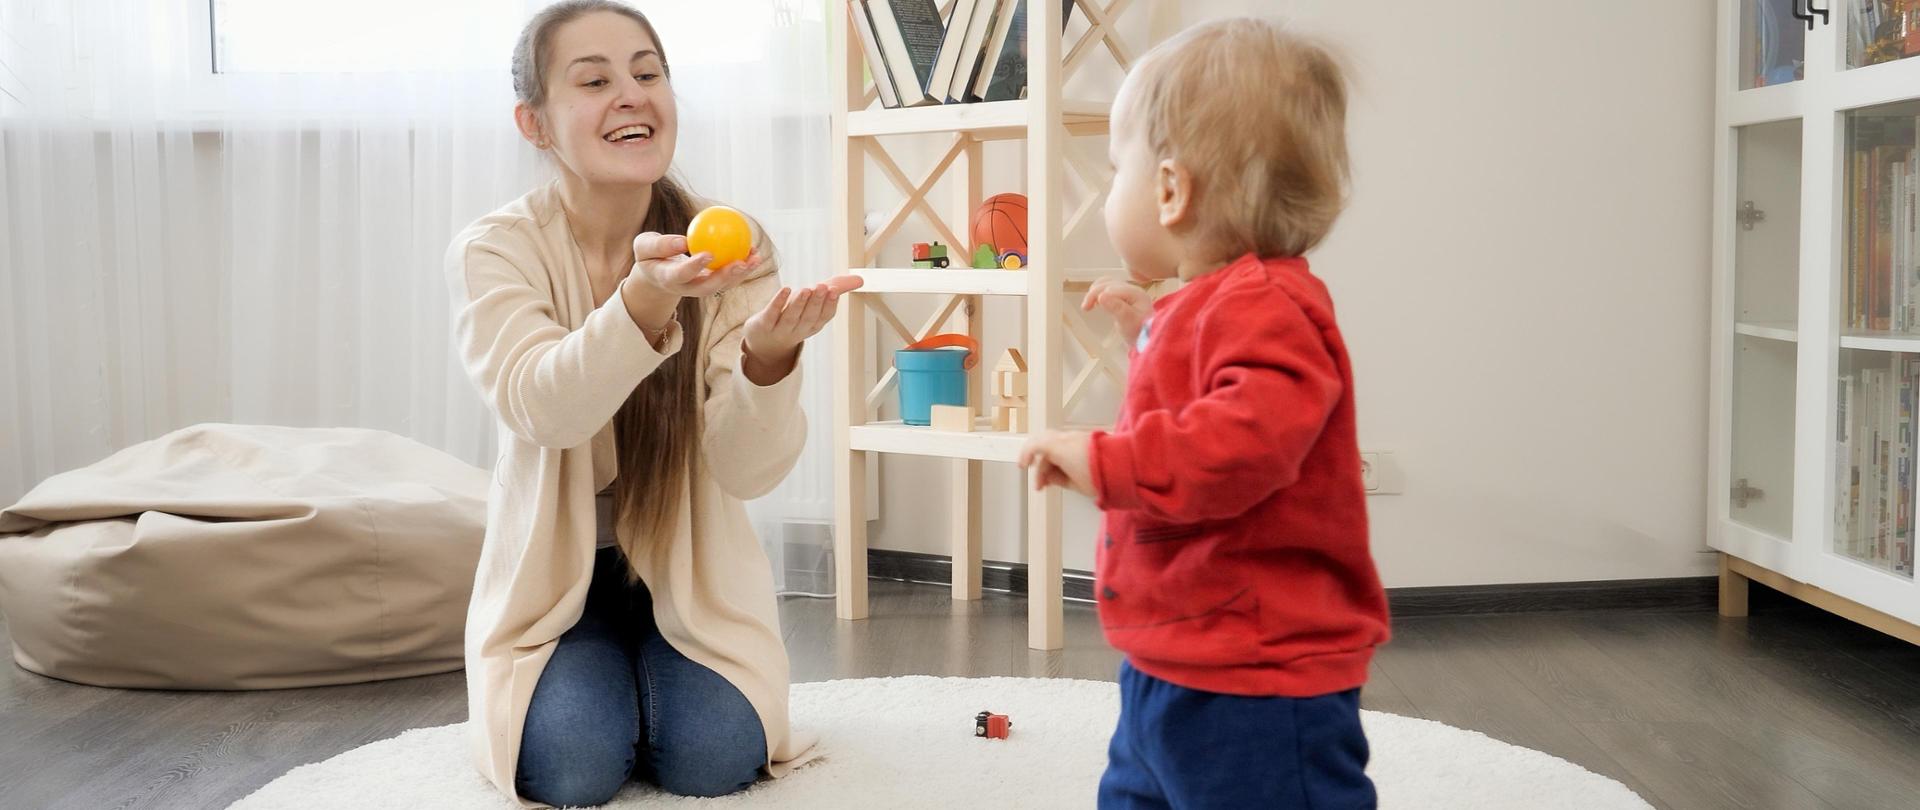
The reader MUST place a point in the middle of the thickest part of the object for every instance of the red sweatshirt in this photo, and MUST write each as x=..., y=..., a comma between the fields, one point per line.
x=1235, y=553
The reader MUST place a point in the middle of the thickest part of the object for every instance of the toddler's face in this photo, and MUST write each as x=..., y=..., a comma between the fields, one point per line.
x=1146, y=246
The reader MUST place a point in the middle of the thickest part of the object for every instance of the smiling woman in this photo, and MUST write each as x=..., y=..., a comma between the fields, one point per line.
x=639, y=399
x=277, y=258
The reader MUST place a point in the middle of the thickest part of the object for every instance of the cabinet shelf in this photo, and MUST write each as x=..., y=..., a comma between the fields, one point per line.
x=1876, y=84
x=1764, y=104
x=1770, y=330
x=1880, y=341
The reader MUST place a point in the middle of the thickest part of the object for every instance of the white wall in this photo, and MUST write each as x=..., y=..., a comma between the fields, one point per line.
x=1522, y=279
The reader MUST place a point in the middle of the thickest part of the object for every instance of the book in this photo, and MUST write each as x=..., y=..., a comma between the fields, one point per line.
x=953, y=45
x=1006, y=75
x=909, y=33
x=991, y=49
x=876, y=63
x=973, y=48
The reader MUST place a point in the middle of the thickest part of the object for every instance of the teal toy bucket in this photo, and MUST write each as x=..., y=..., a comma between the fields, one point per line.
x=933, y=372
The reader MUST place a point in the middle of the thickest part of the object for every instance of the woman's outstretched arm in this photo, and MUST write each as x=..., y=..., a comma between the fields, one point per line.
x=550, y=386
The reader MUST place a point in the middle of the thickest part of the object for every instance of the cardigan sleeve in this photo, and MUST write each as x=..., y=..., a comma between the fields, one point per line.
x=550, y=386
x=753, y=433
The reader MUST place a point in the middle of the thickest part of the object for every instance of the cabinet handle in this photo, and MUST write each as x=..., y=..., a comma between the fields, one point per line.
x=1812, y=11
x=1807, y=15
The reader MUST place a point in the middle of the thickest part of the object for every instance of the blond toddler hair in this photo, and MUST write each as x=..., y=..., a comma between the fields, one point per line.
x=1257, y=115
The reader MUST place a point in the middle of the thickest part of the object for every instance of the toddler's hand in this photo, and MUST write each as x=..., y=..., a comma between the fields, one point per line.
x=1128, y=303
x=1059, y=458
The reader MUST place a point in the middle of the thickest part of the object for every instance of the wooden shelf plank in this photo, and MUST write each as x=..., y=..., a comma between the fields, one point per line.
x=954, y=281
x=984, y=444
x=987, y=120
x=969, y=281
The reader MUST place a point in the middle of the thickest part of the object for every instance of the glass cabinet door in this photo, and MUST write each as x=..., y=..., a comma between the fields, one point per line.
x=1766, y=278
x=1773, y=42
x=1879, y=31
x=1879, y=362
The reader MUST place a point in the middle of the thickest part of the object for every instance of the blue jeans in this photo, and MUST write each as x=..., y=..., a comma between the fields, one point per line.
x=617, y=702
x=1184, y=748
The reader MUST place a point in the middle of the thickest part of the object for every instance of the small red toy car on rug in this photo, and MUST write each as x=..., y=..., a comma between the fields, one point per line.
x=992, y=726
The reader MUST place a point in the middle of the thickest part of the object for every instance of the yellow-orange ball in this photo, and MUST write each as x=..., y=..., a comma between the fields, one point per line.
x=722, y=232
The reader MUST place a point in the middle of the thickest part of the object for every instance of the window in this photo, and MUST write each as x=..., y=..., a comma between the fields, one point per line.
x=374, y=36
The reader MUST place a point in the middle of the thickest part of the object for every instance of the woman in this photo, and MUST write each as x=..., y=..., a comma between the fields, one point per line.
x=623, y=621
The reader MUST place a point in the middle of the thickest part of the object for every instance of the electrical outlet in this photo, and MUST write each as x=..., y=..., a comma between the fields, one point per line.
x=1380, y=473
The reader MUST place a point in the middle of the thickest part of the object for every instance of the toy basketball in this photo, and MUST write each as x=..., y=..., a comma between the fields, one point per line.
x=720, y=231
x=1001, y=221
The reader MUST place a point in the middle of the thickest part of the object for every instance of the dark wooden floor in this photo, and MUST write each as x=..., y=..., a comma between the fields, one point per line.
x=1790, y=708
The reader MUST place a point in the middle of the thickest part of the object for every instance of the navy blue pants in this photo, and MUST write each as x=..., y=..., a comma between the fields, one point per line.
x=1183, y=748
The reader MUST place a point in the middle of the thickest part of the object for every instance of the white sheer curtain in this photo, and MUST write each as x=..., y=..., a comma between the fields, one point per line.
x=181, y=246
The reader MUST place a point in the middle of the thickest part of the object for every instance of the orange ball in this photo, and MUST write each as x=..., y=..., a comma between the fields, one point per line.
x=722, y=232
x=1001, y=221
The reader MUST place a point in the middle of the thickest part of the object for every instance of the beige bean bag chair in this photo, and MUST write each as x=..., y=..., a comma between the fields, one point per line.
x=245, y=557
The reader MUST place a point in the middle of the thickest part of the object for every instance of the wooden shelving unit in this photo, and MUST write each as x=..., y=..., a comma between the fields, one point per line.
x=1045, y=121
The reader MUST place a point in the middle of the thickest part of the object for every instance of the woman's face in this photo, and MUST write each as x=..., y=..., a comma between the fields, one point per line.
x=609, y=116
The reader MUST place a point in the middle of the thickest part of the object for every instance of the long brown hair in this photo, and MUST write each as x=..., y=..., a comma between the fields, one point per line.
x=658, y=428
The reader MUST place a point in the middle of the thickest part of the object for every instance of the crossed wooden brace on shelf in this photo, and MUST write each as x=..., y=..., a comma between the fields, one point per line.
x=1100, y=30
x=916, y=193
x=1092, y=180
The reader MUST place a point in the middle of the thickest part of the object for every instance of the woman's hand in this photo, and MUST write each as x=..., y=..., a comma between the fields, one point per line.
x=770, y=343
x=662, y=275
x=1128, y=303
x=1059, y=458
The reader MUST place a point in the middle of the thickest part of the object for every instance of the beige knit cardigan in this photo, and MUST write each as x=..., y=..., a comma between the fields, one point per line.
x=554, y=369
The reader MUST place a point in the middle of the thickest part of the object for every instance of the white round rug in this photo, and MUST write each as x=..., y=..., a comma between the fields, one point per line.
x=908, y=742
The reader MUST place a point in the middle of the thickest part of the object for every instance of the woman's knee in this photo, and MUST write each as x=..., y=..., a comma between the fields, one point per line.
x=575, y=758
x=716, y=758
x=577, y=772
x=711, y=773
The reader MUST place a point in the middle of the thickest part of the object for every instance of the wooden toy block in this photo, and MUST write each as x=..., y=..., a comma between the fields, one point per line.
x=1002, y=418
x=1012, y=360
x=1013, y=383
x=1017, y=420
x=929, y=255
x=956, y=418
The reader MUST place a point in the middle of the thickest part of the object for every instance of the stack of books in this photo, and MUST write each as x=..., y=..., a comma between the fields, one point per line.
x=918, y=57
x=1875, y=461
x=1883, y=221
